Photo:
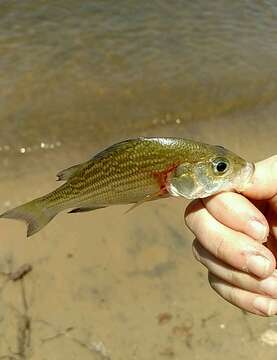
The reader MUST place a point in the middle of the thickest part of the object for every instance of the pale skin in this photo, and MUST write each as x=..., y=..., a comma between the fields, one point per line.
x=236, y=240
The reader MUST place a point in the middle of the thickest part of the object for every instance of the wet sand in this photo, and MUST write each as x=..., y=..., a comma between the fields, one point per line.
x=109, y=285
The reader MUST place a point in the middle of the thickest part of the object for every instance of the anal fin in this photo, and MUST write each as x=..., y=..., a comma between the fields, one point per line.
x=85, y=209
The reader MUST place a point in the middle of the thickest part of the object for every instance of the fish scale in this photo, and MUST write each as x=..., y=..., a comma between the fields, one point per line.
x=134, y=171
x=96, y=180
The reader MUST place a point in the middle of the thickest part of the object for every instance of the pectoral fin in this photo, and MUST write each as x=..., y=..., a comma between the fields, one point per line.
x=150, y=197
x=85, y=209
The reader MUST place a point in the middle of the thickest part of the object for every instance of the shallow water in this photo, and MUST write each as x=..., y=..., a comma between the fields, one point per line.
x=86, y=73
x=78, y=76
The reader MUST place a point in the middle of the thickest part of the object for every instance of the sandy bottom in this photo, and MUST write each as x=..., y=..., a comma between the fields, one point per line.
x=114, y=286
x=109, y=285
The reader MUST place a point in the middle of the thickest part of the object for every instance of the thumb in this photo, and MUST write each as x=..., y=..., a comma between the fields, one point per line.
x=263, y=184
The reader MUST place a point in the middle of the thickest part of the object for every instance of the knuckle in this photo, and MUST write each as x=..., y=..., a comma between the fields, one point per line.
x=234, y=277
x=233, y=295
x=227, y=291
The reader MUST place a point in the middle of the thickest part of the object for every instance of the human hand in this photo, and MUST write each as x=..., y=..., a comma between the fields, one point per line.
x=236, y=239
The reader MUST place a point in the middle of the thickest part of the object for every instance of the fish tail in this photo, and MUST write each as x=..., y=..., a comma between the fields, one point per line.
x=34, y=213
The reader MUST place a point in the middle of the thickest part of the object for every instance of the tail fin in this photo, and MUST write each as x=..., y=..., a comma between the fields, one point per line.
x=35, y=214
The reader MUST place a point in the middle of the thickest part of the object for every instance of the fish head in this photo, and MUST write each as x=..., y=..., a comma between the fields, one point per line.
x=219, y=170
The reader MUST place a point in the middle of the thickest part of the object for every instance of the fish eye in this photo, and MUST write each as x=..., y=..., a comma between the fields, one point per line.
x=220, y=166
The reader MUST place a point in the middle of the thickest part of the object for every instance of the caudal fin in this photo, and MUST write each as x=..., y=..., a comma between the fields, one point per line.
x=34, y=213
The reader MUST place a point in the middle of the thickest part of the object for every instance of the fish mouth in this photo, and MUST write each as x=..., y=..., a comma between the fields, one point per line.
x=243, y=180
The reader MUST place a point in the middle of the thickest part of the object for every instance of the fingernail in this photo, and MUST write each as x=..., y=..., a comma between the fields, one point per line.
x=266, y=306
x=258, y=265
x=269, y=286
x=258, y=230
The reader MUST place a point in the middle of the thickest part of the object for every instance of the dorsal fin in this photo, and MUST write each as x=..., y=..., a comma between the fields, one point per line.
x=67, y=173
x=125, y=144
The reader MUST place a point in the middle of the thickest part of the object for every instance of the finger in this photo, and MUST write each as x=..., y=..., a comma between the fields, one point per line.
x=238, y=213
x=267, y=287
x=256, y=304
x=230, y=246
x=263, y=184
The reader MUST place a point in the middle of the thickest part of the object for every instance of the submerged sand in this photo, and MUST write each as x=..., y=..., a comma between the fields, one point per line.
x=114, y=286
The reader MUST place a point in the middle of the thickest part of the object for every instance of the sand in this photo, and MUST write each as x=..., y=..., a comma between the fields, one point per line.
x=110, y=285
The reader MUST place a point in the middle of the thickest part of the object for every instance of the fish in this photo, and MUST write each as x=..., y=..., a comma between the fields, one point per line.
x=136, y=171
